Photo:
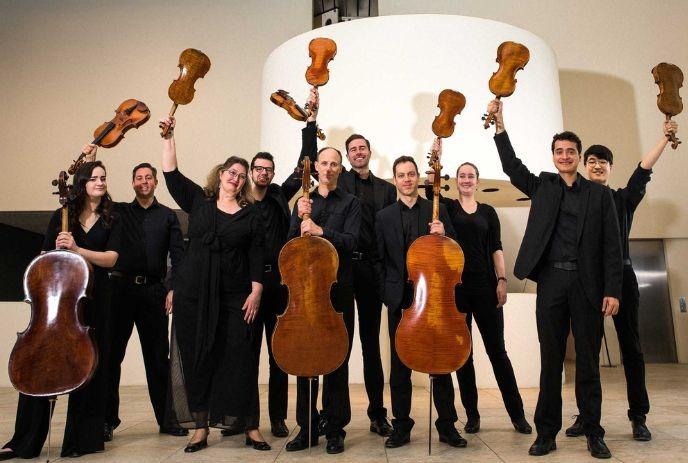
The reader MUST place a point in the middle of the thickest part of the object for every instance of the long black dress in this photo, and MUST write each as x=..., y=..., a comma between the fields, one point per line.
x=212, y=362
x=86, y=409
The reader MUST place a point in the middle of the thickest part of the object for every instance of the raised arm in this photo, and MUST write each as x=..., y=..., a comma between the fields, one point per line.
x=652, y=156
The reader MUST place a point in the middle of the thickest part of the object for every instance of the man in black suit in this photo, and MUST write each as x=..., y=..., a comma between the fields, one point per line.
x=374, y=194
x=396, y=227
x=571, y=248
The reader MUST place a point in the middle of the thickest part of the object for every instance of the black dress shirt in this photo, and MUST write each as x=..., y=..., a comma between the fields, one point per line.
x=339, y=215
x=626, y=201
x=364, y=192
x=147, y=236
x=276, y=228
x=563, y=247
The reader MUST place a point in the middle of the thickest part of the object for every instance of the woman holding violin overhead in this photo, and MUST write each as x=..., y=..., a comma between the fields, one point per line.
x=217, y=293
x=482, y=293
x=94, y=234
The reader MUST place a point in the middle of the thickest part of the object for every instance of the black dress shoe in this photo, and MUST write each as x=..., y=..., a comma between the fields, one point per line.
x=640, y=431
x=472, y=425
x=8, y=455
x=522, y=426
x=74, y=454
x=107, y=432
x=335, y=445
x=397, y=439
x=196, y=446
x=453, y=438
x=322, y=424
x=597, y=447
x=258, y=444
x=232, y=431
x=300, y=442
x=278, y=428
x=381, y=427
x=542, y=446
x=174, y=431
x=576, y=429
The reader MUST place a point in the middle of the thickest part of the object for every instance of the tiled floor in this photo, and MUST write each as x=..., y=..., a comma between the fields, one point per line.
x=137, y=440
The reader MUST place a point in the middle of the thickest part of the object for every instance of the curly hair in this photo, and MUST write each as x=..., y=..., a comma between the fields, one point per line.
x=79, y=197
x=212, y=183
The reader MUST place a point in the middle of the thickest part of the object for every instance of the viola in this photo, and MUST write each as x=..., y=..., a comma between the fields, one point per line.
x=321, y=50
x=193, y=65
x=128, y=115
x=310, y=338
x=669, y=78
x=56, y=354
x=282, y=99
x=512, y=57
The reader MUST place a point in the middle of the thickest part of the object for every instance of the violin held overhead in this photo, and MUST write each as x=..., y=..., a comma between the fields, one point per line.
x=511, y=57
x=669, y=78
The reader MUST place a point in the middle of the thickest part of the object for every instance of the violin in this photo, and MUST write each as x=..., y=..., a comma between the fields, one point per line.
x=669, y=78
x=310, y=338
x=512, y=57
x=193, y=65
x=56, y=354
x=321, y=51
x=130, y=114
x=282, y=99
x=450, y=103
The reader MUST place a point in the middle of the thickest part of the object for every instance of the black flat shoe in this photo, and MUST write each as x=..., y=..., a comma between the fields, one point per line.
x=279, y=429
x=472, y=425
x=381, y=427
x=196, y=446
x=640, y=431
x=257, y=444
x=597, y=447
x=107, y=432
x=453, y=438
x=8, y=455
x=522, y=426
x=177, y=431
x=397, y=439
x=335, y=445
x=232, y=431
x=542, y=446
x=300, y=442
x=75, y=454
x=576, y=429
x=322, y=424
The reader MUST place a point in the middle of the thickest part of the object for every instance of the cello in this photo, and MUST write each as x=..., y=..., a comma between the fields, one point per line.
x=432, y=336
x=669, y=78
x=512, y=57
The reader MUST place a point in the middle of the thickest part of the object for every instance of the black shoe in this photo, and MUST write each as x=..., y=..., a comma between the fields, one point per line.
x=174, y=431
x=522, y=426
x=542, y=446
x=257, y=444
x=576, y=428
x=472, y=425
x=453, y=438
x=279, y=429
x=640, y=431
x=8, y=455
x=397, y=439
x=381, y=427
x=107, y=432
x=597, y=447
x=196, y=446
x=322, y=424
x=300, y=442
x=335, y=445
x=232, y=431
x=75, y=454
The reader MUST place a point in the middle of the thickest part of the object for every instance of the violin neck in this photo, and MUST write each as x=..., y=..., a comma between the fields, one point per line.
x=103, y=134
x=65, y=218
x=435, y=207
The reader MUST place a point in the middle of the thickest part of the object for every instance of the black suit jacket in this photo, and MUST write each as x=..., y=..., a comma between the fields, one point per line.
x=599, y=248
x=390, y=263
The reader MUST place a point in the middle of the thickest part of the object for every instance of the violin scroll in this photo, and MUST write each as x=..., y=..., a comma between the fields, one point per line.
x=669, y=78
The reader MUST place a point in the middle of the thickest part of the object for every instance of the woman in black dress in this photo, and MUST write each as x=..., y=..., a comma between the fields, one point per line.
x=217, y=293
x=95, y=235
x=482, y=294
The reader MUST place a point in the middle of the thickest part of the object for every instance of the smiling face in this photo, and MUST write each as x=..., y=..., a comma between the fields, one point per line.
x=406, y=179
x=144, y=183
x=566, y=156
x=467, y=180
x=96, y=186
x=598, y=169
x=233, y=178
x=358, y=153
x=328, y=166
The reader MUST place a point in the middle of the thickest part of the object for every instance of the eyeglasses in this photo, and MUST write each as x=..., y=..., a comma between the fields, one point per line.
x=234, y=174
x=599, y=162
x=267, y=170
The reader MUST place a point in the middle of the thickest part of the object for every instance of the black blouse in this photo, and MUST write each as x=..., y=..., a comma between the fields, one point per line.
x=98, y=238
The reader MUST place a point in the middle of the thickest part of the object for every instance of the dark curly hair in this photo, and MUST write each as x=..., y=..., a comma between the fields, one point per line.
x=79, y=196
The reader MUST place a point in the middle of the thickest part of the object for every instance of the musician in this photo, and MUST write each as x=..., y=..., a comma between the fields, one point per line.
x=374, y=194
x=335, y=216
x=598, y=161
x=482, y=293
x=150, y=231
x=571, y=248
x=95, y=235
x=217, y=293
x=396, y=227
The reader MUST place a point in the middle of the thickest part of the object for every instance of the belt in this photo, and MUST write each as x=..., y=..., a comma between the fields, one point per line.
x=360, y=255
x=627, y=262
x=569, y=266
x=268, y=268
x=137, y=279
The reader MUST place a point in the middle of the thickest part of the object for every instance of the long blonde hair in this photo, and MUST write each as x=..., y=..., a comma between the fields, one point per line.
x=212, y=183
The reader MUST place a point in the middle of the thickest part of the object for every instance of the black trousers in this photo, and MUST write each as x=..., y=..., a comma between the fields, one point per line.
x=335, y=401
x=561, y=303
x=369, y=307
x=490, y=320
x=272, y=303
x=401, y=388
x=143, y=306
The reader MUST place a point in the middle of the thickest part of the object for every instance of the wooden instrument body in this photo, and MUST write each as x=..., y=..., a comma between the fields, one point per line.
x=130, y=114
x=512, y=57
x=193, y=65
x=669, y=78
x=321, y=51
x=283, y=99
x=450, y=103
x=432, y=336
x=56, y=354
